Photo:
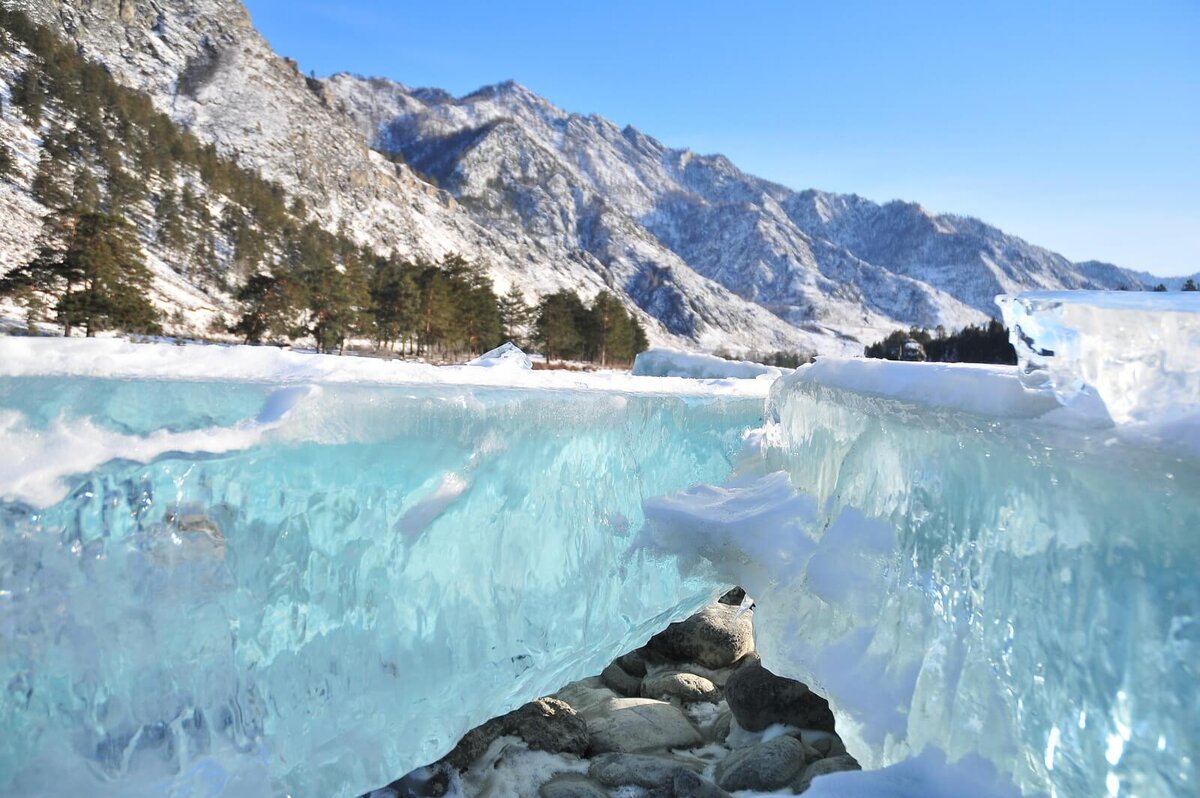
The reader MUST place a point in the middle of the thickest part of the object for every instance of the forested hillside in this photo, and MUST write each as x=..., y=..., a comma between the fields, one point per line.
x=119, y=179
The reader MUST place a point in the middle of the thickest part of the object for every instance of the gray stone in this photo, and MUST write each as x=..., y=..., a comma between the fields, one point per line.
x=634, y=725
x=733, y=597
x=633, y=663
x=430, y=782
x=823, y=767
x=586, y=694
x=720, y=729
x=759, y=699
x=570, y=785
x=718, y=676
x=474, y=743
x=546, y=724
x=638, y=770
x=766, y=766
x=717, y=636
x=691, y=785
x=622, y=682
x=552, y=725
x=687, y=687
x=825, y=743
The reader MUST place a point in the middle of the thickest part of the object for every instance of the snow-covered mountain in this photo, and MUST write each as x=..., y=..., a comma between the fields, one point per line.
x=809, y=256
x=708, y=256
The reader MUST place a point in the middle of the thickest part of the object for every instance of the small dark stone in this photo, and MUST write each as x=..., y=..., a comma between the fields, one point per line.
x=474, y=743
x=825, y=743
x=691, y=785
x=551, y=725
x=759, y=698
x=570, y=785
x=720, y=729
x=636, y=770
x=717, y=636
x=615, y=677
x=822, y=767
x=733, y=597
x=546, y=724
x=686, y=687
x=632, y=663
x=431, y=782
x=765, y=766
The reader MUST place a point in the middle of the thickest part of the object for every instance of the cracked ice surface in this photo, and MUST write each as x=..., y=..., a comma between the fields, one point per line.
x=264, y=573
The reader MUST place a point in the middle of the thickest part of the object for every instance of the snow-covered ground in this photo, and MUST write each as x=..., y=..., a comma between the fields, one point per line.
x=663, y=362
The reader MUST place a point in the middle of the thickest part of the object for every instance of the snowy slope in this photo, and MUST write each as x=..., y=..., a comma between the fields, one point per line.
x=811, y=256
x=204, y=64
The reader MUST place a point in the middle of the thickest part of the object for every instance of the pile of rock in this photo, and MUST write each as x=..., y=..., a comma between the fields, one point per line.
x=692, y=714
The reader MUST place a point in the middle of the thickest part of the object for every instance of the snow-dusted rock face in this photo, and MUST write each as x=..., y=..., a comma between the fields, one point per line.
x=822, y=261
x=707, y=256
x=205, y=65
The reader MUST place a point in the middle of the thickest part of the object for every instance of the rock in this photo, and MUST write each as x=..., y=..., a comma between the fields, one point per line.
x=430, y=782
x=822, y=767
x=638, y=770
x=474, y=743
x=633, y=725
x=547, y=724
x=687, y=687
x=691, y=785
x=586, y=694
x=825, y=743
x=633, y=663
x=734, y=597
x=717, y=636
x=720, y=729
x=570, y=785
x=619, y=680
x=759, y=699
x=718, y=676
x=551, y=725
x=766, y=766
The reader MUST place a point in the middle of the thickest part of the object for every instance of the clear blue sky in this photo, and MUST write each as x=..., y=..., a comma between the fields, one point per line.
x=1075, y=125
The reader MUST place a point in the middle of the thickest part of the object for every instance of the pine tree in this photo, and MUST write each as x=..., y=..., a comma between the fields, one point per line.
x=333, y=299
x=437, y=311
x=1160, y=289
x=270, y=304
x=171, y=229
x=7, y=162
x=611, y=331
x=92, y=265
x=640, y=342
x=29, y=94
x=395, y=300
x=557, y=327
x=515, y=315
x=479, y=311
x=85, y=192
x=1190, y=285
x=47, y=182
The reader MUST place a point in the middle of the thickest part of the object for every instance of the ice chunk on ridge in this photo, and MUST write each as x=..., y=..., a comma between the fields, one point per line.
x=1134, y=356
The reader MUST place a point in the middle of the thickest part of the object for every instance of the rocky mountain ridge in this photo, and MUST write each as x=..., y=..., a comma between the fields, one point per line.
x=707, y=256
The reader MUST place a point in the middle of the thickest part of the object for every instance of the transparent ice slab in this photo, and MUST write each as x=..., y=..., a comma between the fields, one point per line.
x=960, y=574
x=252, y=590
